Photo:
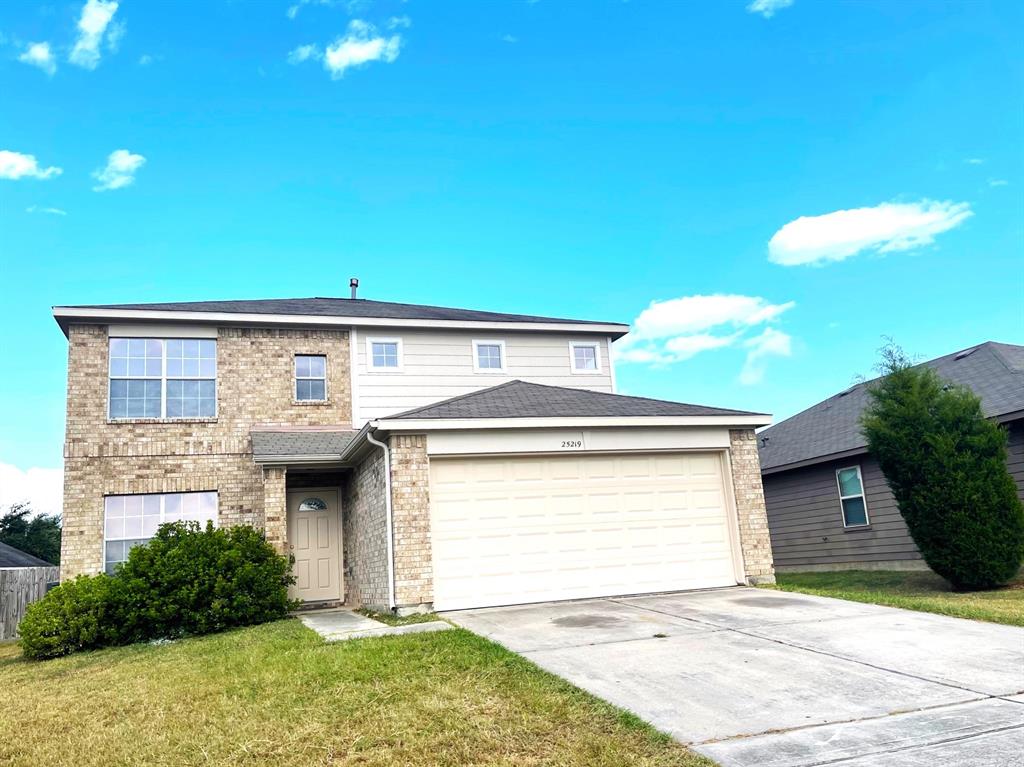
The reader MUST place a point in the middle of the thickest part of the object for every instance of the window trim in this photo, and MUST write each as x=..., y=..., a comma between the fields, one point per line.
x=370, y=367
x=862, y=495
x=163, y=378
x=596, y=346
x=296, y=379
x=216, y=516
x=477, y=343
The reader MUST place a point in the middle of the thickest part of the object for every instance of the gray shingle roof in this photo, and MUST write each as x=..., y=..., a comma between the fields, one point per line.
x=12, y=557
x=518, y=399
x=339, y=307
x=994, y=371
x=327, y=444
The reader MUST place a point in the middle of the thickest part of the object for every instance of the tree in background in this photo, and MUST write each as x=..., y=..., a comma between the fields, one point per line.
x=38, y=535
x=946, y=466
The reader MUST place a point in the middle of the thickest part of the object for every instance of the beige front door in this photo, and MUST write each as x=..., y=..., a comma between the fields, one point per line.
x=314, y=537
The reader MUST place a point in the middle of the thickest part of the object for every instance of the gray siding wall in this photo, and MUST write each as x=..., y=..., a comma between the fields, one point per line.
x=806, y=521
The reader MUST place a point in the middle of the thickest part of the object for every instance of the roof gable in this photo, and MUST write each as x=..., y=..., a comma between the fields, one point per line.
x=12, y=557
x=993, y=371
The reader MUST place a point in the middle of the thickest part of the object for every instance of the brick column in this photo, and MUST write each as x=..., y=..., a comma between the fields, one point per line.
x=275, y=507
x=410, y=512
x=755, y=542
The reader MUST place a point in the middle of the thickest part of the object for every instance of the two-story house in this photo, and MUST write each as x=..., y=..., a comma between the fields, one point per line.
x=405, y=455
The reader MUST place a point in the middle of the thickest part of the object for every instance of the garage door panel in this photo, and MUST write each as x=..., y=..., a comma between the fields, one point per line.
x=526, y=529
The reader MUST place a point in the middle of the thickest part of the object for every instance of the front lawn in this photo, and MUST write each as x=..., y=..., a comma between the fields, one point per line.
x=922, y=591
x=278, y=695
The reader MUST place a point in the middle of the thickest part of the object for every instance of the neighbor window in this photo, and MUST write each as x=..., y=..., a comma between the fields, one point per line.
x=489, y=356
x=131, y=520
x=584, y=358
x=384, y=353
x=310, y=377
x=851, y=496
x=163, y=378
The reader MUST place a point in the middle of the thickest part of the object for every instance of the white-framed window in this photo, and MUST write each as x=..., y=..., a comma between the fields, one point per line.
x=131, y=520
x=585, y=357
x=851, y=496
x=310, y=378
x=489, y=356
x=162, y=378
x=384, y=354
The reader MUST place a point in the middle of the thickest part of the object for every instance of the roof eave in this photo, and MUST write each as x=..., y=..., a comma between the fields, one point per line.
x=67, y=315
x=862, y=450
x=452, y=424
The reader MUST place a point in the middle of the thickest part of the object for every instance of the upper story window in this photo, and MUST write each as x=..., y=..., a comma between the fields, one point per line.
x=163, y=378
x=384, y=354
x=851, y=497
x=310, y=377
x=585, y=357
x=489, y=356
x=131, y=520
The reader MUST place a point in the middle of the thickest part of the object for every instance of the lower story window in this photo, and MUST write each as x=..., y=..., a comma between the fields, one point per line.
x=851, y=497
x=131, y=520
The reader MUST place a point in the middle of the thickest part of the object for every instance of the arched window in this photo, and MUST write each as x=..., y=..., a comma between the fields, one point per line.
x=313, y=504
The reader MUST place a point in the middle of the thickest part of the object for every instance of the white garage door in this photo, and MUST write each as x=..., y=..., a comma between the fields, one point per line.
x=523, y=529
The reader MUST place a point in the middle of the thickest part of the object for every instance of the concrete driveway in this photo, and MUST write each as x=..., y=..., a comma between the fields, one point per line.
x=754, y=677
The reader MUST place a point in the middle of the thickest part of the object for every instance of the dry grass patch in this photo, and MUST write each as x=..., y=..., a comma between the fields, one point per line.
x=923, y=591
x=277, y=694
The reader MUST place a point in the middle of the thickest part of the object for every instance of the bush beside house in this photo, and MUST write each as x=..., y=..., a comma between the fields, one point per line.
x=185, y=581
x=946, y=466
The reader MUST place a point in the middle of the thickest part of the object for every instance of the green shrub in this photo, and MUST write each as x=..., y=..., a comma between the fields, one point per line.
x=946, y=465
x=184, y=581
x=76, y=615
x=192, y=581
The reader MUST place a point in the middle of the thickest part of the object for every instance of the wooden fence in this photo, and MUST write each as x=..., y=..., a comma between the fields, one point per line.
x=20, y=587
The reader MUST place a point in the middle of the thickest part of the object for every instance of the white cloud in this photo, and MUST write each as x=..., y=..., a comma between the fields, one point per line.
x=675, y=330
x=998, y=182
x=40, y=55
x=50, y=211
x=694, y=314
x=303, y=53
x=884, y=228
x=360, y=45
x=509, y=39
x=767, y=8
x=94, y=27
x=14, y=165
x=770, y=343
x=399, y=22
x=975, y=161
x=145, y=60
x=293, y=10
x=42, y=488
x=119, y=171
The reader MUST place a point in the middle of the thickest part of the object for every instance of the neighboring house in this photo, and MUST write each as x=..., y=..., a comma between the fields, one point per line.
x=405, y=455
x=829, y=506
x=12, y=557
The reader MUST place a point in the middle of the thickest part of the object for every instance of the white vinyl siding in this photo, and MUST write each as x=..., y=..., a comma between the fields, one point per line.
x=514, y=530
x=436, y=365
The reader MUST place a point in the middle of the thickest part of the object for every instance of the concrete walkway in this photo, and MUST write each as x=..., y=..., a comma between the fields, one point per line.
x=754, y=677
x=339, y=624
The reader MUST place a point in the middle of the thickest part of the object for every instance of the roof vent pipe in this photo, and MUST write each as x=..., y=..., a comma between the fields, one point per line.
x=354, y=285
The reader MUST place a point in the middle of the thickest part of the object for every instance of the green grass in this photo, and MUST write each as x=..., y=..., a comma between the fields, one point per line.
x=278, y=695
x=398, y=620
x=922, y=591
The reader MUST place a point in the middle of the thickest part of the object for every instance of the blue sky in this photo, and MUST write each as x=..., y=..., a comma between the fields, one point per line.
x=788, y=182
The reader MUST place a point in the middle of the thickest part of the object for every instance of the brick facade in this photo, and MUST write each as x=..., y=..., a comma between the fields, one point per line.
x=364, y=533
x=410, y=510
x=255, y=376
x=755, y=542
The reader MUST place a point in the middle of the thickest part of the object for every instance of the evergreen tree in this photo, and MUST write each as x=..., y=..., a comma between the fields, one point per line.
x=946, y=466
x=38, y=535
